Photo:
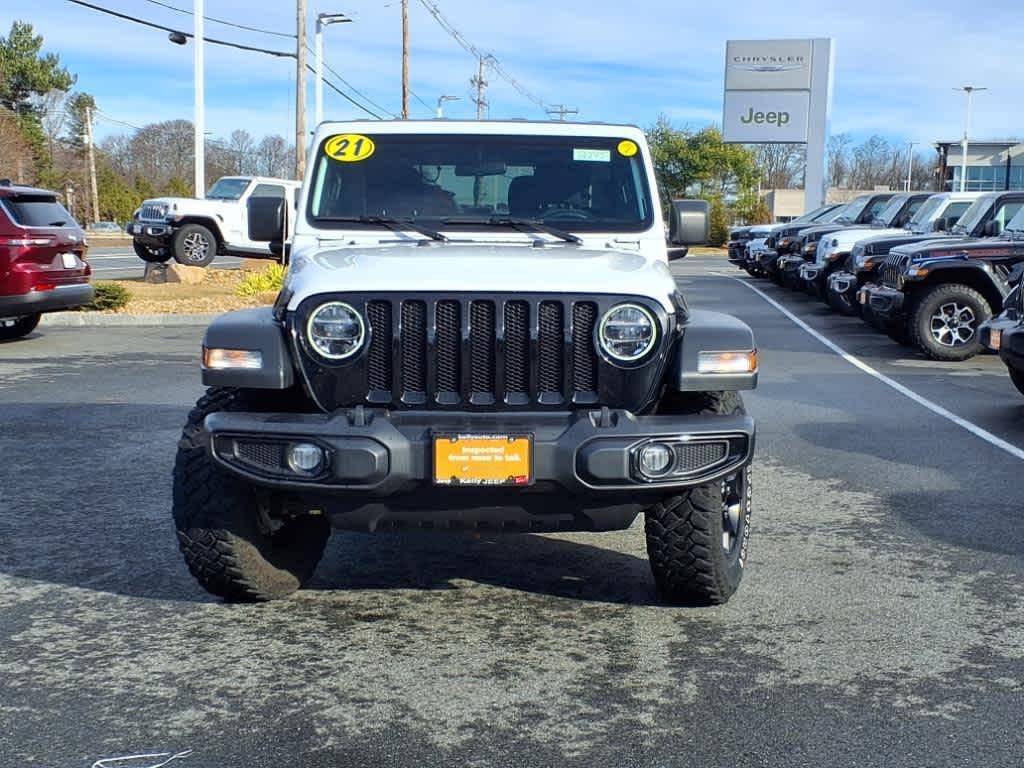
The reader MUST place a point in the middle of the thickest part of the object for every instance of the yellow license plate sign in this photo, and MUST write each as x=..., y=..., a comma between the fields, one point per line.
x=483, y=459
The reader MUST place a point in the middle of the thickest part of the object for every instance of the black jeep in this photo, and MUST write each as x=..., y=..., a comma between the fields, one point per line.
x=1005, y=334
x=936, y=294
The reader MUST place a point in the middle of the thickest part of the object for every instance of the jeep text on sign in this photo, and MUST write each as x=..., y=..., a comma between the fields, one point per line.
x=765, y=116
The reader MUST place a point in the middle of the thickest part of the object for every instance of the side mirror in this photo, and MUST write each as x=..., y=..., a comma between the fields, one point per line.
x=678, y=252
x=992, y=229
x=941, y=225
x=688, y=222
x=266, y=219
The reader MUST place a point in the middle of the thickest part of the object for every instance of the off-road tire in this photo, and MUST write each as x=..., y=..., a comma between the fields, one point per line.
x=1017, y=377
x=222, y=533
x=189, y=237
x=684, y=532
x=15, y=328
x=151, y=255
x=929, y=304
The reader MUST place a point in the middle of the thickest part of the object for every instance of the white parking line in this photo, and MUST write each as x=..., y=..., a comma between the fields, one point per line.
x=935, y=408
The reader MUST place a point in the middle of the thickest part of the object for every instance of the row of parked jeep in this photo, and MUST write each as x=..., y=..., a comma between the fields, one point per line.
x=943, y=272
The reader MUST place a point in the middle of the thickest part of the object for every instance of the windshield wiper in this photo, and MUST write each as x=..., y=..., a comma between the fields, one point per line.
x=395, y=225
x=522, y=225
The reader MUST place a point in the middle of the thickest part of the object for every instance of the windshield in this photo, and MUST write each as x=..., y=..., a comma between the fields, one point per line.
x=891, y=211
x=576, y=183
x=927, y=212
x=38, y=211
x=227, y=189
x=973, y=216
x=1016, y=224
x=853, y=209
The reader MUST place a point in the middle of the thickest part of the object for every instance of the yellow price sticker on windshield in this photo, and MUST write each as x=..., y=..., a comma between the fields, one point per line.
x=628, y=148
x=349, y=147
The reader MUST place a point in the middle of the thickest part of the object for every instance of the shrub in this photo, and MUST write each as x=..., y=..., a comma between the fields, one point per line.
x=109, y=296
x=268, y=279
x=718, y=230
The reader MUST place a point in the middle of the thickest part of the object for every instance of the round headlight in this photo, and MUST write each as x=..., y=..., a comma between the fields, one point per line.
x=335, y=330
x=627, y=332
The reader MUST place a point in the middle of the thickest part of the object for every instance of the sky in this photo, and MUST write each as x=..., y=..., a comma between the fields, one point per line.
x=896, y=62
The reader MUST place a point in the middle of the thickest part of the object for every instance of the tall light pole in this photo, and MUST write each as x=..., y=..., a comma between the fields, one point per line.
x=910, y=162
x=440, y=104
x=323, y=20
x=300, y=88
x=405, y=59
x=200, y=102
x=969, y=90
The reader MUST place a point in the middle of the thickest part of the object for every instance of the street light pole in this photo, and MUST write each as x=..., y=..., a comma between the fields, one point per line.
x=323, y=20
x=910, y=163
x=440, y=104
x=969, y=90
x=300, y=89
x=199, y=119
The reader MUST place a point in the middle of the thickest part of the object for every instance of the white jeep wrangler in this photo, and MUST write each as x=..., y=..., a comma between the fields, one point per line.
x=194, y=231
x=478, y=331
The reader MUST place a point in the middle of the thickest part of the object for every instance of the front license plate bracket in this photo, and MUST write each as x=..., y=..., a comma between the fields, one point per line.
x=479, y=460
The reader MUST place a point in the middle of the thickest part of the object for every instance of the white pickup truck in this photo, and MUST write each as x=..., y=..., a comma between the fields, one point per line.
x=193, y=232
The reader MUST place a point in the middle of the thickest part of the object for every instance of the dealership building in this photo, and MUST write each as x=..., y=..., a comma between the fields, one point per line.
x=991, y=165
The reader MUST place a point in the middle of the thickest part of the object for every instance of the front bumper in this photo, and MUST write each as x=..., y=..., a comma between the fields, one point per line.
x=384, y=453
x=156, y=235
x=884, y=302
x=1000, y=325
x=768, y=260
x=54, y=300
x=1011, y=348
x=844, y=284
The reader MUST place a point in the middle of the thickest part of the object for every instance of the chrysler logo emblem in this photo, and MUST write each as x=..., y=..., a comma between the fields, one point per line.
x=767, y=67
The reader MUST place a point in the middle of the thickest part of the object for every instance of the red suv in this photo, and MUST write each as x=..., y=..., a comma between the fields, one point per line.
x=42, y=259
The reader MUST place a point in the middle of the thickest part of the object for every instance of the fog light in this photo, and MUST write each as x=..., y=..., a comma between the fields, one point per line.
x=995, y=339
x=655, y=460
x=305, y=458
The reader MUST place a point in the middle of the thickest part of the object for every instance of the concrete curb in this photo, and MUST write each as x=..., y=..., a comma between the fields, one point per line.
x=95, y=319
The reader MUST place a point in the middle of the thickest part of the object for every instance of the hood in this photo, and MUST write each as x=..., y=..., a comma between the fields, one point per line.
x=478, y=268
x=847, y=237
x=921, y=249
x=814, y=233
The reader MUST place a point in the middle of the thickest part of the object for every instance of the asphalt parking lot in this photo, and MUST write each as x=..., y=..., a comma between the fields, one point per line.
x=879, y=622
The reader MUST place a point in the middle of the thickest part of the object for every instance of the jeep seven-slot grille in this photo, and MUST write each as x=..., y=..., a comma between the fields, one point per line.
x=482, y=351
x=892, y=268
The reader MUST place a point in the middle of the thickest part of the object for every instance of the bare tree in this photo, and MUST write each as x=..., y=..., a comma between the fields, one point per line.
x=838, y=151
x=16, y=160
x=273, y=156
x=242, y=147
x=53, y=116
x=781, y=165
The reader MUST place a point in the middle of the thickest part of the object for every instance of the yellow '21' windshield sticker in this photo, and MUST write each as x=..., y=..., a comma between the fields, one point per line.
x=349, y=147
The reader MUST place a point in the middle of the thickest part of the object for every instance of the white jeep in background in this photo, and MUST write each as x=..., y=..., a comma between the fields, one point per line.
x=193, y=231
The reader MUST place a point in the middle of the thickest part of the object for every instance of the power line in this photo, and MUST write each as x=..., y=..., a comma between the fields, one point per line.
x=280, y=54
x=472, y=49
x=352, y=87
x=223, y=21
x=126, y=17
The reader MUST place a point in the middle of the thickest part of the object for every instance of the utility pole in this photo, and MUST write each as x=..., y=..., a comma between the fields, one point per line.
x=561, y=110
x=300, y=89
x=969, y=90
x=199, y=119
x=92, y=166
x=405, y=59
x=480, y=83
